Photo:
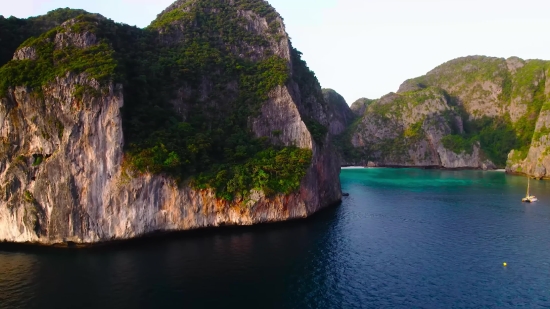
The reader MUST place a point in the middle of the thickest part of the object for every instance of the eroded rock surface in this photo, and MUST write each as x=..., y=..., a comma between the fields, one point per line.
x=458, y=114
x=63, y=175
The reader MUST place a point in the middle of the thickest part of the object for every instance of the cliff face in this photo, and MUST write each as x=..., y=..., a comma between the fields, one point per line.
x=68, y=173
x=537, y=161
x=340, y=114
x=473, y=112
x=360, y=106
x=407, y=130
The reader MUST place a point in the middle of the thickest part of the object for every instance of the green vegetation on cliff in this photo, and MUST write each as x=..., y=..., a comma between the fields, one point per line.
x=14, y=31
x=310, y=90
x=97, y=61
x=491, y=101
x=529, y=88
x=343, y=144
x=459, y=76
x=397, y=136
x=496, y=137
x=214, y=142
x=189, y=92
x=360, y=106
x=271, y=171
x=458, y=143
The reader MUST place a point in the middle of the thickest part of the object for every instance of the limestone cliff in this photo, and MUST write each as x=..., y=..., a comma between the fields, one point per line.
x=360, y=106
x=340, y=114
x=407, y=130
x=472, y=112
x=78, y=163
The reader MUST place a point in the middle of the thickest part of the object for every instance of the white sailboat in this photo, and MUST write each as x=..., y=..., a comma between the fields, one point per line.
x=529, y=198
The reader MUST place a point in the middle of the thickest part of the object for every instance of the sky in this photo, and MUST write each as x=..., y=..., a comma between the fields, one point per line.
x=367, y=48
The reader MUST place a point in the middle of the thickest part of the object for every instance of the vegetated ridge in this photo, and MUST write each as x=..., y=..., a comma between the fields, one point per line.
x=207, y=117
x=472, y=112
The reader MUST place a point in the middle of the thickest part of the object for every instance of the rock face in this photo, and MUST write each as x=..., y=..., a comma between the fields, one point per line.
x=360, y=106
x=407, y=130
x=537, y=162
x=472, y=112
x=340, y=114
x=62, y=169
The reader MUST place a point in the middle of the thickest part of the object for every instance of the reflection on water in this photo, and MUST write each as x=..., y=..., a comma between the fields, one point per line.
x=405, y=238
x=17, y=272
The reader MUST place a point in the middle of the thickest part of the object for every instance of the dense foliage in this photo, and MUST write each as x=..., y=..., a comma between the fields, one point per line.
x=310, y=92
x=343, y=144
x=317, y=130
x=14, y=31
x=458, y=143
x=522, y=88
x=192, y=80
x=496, y=137
x=97, y=61
x=271, y=171
x=214, y=142
x=524, y=84
x=459, y=75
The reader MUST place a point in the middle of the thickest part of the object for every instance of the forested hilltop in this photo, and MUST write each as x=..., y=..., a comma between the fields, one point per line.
x=209, y=107
x=14, y=31
x=472, y=112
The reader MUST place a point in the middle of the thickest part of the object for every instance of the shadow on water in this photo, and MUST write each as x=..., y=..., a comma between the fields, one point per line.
x=207, y=268
x=160, y=237
x=402, y=239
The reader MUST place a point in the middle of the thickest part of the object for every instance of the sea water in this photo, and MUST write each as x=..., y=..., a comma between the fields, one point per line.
x=404, y=238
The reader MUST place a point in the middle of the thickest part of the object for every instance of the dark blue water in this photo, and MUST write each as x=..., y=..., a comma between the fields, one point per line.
x=405, y=238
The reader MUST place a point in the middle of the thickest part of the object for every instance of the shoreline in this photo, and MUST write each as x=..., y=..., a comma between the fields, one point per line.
x=425, y=167
x=526, y=175
x=158, y=235
x=500, y=170
x=177, y=234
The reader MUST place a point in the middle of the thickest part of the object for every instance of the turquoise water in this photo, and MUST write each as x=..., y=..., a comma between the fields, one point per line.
x=440, y=238
x=404, y=238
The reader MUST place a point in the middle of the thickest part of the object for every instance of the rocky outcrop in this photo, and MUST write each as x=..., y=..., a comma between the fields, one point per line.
x=537, y=161
x=64, y=175
x=457, y=114
x=80, y=191
x=341, y=116
x=76, y=39
x=280, y=120
x=360, y=106
x=407, y=130
x=25, y=53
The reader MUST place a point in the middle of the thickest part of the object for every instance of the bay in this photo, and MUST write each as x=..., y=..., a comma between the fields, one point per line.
x=404, y=238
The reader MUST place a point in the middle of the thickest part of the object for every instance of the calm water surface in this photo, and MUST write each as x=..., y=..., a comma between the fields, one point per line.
x=405, y=238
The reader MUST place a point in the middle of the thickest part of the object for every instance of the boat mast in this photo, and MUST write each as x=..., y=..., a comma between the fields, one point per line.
x=528, y=180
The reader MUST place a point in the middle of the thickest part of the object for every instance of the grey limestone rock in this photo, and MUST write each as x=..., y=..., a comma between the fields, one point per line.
x=25, y=53
x=62, y=172
x=360, y=106
x=340, y=114
x=438, y=103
